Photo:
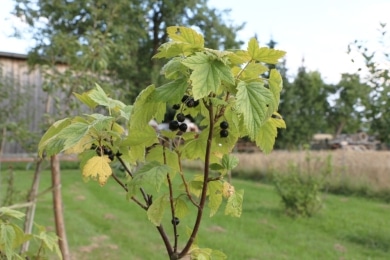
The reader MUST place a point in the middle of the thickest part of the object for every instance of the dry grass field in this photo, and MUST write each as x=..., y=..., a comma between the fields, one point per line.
x=356, y=169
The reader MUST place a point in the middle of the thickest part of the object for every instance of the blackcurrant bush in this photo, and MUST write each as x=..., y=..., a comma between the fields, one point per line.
x=173, y=125
x=176, y=106
x=180, y=117
x=224, y=125
x=224, y=133
x=183, y=127
x=175, y=221
x=184, y=98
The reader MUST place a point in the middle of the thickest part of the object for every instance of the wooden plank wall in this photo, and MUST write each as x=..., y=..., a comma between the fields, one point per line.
x=15, y=71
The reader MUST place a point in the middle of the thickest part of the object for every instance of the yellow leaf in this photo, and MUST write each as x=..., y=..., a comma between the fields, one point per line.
x=98, y=167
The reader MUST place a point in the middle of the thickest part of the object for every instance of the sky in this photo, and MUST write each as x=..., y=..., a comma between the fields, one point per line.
x=313, y=33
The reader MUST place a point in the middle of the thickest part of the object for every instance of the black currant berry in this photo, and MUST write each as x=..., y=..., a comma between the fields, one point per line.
x=176, y=106
x=183, y=127
x=93, y=147
x=111, y=156
x=184, y=98
x=224, y=125
x=196, y=103
x=107, y=151
x=190, y=102
x=175, y=221
x=224, y=133
x=173, y=125
x=180, y=117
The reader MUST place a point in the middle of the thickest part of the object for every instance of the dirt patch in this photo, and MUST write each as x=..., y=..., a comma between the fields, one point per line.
x=98, y=243
x=217, y=229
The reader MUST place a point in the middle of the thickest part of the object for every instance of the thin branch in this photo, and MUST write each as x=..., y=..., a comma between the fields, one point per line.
x=206, y=172
x=172, y=213
x=126, y=189
x=185, y=183
x=147, y=198
x=172, y=205
x=165, y=238
x=124, y=166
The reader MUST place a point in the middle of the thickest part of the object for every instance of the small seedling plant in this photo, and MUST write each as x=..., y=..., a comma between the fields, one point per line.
x=227, y=94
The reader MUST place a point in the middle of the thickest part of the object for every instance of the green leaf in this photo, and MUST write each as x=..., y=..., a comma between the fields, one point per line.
x=215, y=196
x=72, y=134
x=186, y=35
x=275, y=85
x=263, y=54
x=229, y=161
x=125, y=112
x=86, y=99
x=253, y=71
x=181, y=208
x=99, y=96
x=171, y=158
x=195, y=148
x=156, y=210
x=207, y=74
x=196, y=185
x=172, y=49
x=270, y=56
x=51, y=134
x=174, y=68
x=255, y=102
x=145, y=109
x=234, y=204
x=265, y=138
x=5, y=211
x=49, y=239
x=7, y=237
x=153, y=173
x=171, y=92
x=146, y=137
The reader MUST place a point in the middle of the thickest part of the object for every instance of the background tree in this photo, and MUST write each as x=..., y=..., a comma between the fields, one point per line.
x=116, y=39
x=377, y=76
x=351, y=99
x=304, y=107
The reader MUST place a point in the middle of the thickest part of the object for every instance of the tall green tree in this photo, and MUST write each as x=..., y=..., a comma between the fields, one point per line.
x=115, y=39
x=377, y=75
x=351, y=100
x=304, y=107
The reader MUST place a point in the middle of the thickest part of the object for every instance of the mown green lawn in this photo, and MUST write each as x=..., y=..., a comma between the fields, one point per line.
x=101, y=224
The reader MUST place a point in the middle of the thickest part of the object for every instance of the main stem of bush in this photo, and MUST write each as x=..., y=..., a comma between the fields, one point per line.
x=202, y=202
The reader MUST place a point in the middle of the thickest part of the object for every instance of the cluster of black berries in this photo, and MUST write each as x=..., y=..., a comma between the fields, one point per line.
x=178, y=123
x=105, y=150
x=224, y=126
x=188, y=101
